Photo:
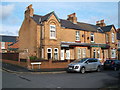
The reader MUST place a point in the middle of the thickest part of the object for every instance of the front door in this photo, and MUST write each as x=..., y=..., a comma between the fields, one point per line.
x=62, y=54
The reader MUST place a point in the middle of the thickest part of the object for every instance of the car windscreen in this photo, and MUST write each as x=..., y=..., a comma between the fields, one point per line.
x=80, y=60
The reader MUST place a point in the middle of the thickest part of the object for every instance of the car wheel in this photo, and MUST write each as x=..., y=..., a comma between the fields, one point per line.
x=98, y=69
x=82, y=70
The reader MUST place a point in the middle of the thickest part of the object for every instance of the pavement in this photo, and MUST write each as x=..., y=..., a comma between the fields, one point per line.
x=18, y=69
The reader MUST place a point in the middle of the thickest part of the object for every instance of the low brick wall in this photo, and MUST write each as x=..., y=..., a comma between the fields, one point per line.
x=45, y=64
x=49, y=64
x=10, y=56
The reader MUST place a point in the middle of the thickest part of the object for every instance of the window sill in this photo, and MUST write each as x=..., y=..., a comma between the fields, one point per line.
x=78, y=41
x=53, y=38
x=92, y=42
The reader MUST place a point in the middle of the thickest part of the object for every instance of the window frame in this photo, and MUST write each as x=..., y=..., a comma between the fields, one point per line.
x=79, y=53
x=98, y=53
x=66, y=54
x=92, y=36
x=94, y=51
x=77, y=34
x=51, y=32
x=49, y=52
x=113, y=51
x=55, y=53
x=113, y=37
x=84, y=52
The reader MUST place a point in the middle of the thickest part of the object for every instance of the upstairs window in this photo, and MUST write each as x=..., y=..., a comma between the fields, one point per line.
x=113, y=37
x=52, y=31
x=77, y=35
x=92, y=37
x=107, y=38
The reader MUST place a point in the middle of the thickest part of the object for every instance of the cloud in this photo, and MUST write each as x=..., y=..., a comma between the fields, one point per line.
x=6, y=10
x=9, y=30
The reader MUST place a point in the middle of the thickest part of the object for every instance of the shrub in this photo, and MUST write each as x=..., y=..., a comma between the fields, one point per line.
x=33, y=57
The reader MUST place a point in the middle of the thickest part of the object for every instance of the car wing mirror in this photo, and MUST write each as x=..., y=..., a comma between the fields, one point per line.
x=86, y=62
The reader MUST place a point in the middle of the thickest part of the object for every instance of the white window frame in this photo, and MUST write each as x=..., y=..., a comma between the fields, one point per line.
x=92, y=36
x=67, y=54
x=62, y=54
x=107, y=38
x=77, y=35
x=2, y=45
x=55, y=53
x=49, y=52
x=79, y=53
x=52, y=36
x=84, y=52
x=113, y=37
x=94, y=51
x=42, y=52
x=113, y=53
x=98, y=53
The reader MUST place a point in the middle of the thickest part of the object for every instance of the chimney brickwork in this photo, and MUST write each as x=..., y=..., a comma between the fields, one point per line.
x=72, y=17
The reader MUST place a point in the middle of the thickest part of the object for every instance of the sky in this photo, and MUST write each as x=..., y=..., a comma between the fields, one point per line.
x=12, y=13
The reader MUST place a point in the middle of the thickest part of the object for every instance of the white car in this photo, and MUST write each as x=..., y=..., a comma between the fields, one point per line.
x=83, y=65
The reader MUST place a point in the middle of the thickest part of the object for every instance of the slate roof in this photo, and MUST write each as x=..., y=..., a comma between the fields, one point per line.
x=70, y=25
x=8, y=38
x=107, y=28
x=88, y=27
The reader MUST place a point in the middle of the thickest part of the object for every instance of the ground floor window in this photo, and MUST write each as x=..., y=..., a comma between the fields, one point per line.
x=67, y=54
x=84, y=52
x=79, y=53
x=42, y=52
x=98, y=53
x=55, y=53
x=94, y=53
x=49, y=53
x=62, y=54
x=113, y=53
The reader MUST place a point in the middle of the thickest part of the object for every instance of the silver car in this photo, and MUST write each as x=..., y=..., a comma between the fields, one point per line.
x=85, y=64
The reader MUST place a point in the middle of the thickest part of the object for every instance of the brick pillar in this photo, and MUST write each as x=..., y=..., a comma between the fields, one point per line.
x=50, y=63
x=28, y=64
x=68, y=61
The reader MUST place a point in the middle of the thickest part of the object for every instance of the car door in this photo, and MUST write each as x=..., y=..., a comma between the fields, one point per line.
x=89, y=65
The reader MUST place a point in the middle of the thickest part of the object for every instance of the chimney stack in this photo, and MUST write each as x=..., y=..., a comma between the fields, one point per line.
x=100, y=23
x=29, y=12
x=72, y=17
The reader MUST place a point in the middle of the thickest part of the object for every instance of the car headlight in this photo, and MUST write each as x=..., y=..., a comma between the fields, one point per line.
x=76, y=67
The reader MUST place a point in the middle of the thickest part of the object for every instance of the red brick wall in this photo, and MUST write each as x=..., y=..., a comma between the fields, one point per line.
x=10, y=56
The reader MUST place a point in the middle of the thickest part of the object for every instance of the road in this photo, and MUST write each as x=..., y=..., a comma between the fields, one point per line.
x=60, y=80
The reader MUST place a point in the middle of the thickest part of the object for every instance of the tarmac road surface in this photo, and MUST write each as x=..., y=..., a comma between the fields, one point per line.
x=60, y=80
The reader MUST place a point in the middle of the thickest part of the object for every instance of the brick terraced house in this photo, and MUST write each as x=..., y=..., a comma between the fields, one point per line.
x=50, y=37
x=118, y=37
